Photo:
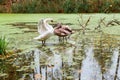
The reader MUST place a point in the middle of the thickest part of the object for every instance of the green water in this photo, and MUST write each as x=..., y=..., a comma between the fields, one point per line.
x=20, y=29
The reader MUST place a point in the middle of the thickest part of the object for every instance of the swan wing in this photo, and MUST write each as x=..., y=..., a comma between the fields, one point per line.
x=44, y=36
x=45, y=30
x=41, y=27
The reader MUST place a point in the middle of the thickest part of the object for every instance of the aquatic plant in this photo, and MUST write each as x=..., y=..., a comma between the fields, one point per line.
x=3, y=45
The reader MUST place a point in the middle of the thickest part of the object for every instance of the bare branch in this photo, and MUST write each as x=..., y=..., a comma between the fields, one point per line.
x=102, y=21
x=87, y=21
x=113, y=22
x=99, y=24
x=80, y=23
x=81, y=18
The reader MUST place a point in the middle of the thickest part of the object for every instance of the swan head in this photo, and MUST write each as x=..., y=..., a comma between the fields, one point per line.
x=46, y=20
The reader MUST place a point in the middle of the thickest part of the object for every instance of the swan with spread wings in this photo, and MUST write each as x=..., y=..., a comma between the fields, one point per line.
x=46, y=30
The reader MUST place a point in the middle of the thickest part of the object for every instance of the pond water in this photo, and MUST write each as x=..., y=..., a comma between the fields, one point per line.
x=92, y=56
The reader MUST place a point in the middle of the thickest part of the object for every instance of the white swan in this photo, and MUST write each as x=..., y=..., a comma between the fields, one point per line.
x=45, y=30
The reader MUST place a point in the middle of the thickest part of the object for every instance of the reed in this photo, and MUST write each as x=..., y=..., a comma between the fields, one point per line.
x=3, y=45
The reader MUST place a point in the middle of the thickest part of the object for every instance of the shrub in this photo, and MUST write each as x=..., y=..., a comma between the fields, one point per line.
x=83, y=7
x=3, y=45
x=70, y=6
x=116, y=6
x=17, y=8
x=106, y=7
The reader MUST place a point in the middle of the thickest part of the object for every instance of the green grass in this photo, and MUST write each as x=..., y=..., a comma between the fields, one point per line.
x=23, y=40
x=3, y=45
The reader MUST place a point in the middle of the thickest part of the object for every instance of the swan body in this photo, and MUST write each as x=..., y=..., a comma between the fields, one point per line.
x=45, y=30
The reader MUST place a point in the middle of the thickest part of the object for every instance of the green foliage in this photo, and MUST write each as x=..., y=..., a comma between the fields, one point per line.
x=106, y=7
x=3, y=45
x=70, y=6
x=2, y=1
x=83, y=7
x=17, y=8
x=67, y=6
x=116, y=6
x=23, y=7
